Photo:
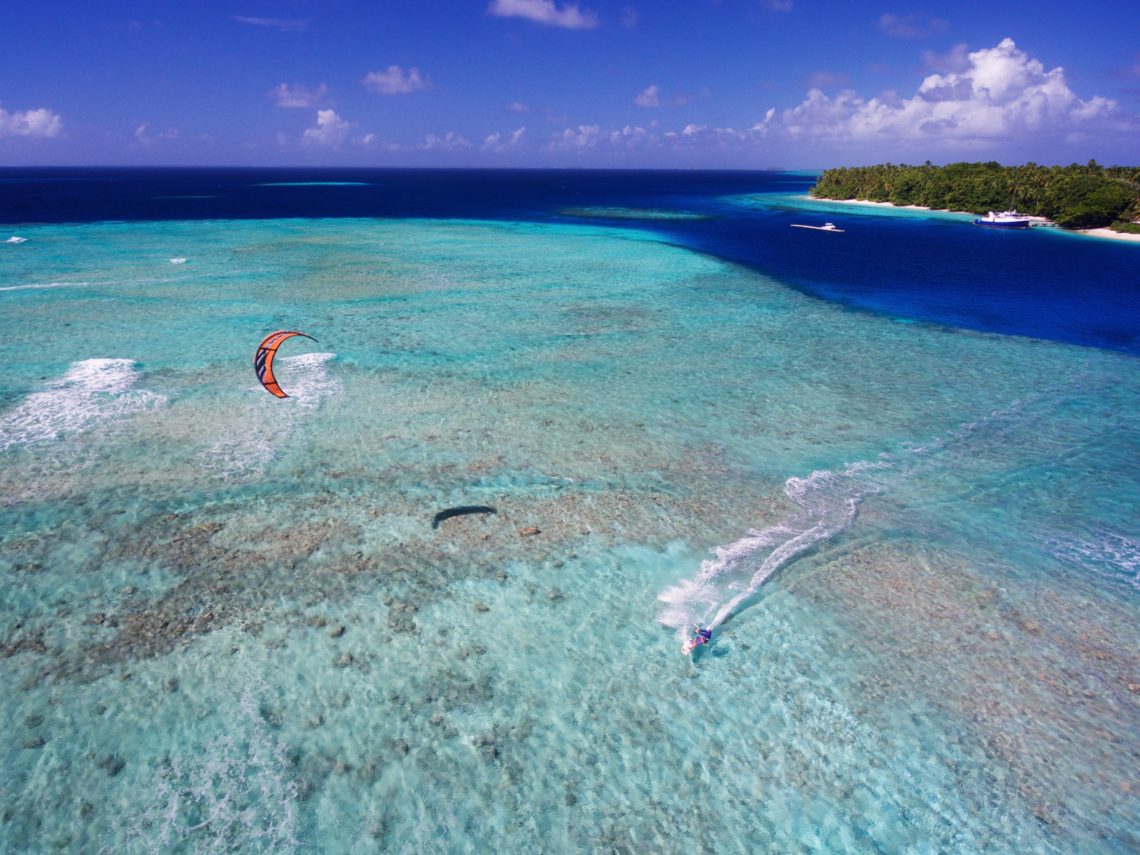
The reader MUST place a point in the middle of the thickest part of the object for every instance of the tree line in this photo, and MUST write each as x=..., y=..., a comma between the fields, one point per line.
x=1075, y=196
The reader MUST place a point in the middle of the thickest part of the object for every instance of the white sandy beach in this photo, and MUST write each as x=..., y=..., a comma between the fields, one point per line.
x=1109, y=233
x=886, y=205
x=1098, y=233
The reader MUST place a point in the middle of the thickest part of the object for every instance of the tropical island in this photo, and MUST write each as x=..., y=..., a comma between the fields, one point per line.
x=1074, y=197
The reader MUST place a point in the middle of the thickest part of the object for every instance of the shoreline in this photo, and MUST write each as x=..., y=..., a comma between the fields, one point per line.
x=1103, y=233
x=889, y=205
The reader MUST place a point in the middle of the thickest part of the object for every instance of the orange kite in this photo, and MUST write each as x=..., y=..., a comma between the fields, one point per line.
x=263, y=360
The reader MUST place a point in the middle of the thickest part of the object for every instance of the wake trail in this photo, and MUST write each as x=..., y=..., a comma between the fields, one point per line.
x=824, y=505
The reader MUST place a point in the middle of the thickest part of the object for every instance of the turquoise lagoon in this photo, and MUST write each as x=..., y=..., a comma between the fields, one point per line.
x=228, y=624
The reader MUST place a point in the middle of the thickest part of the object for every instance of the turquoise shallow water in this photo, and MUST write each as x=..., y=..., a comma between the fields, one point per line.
x=228, y=624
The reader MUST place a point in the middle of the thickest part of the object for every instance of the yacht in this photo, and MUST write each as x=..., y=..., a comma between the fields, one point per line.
x=1004, y=220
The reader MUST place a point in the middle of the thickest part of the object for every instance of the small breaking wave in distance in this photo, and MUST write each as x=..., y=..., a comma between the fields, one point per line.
x=42, y=285
x=91, y=392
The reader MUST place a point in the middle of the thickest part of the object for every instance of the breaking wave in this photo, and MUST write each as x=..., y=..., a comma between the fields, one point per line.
x=92, y=392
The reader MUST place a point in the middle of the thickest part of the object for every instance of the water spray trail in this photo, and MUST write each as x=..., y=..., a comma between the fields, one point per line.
x=825, y=504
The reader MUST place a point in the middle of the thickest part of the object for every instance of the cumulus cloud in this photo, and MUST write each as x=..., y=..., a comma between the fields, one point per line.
x=284, y=95
x=451, y=141
x=498, y=143
x=546, y=12
x=689, y=139
x=649, y=97
x=517, y=107
x=1003, y=93
x=286, y=25
x=331, y=130
x=395, y=81
x=652, y=96
x=584, y=136
x=144, y=135
x=40, y=122
x=911, y=26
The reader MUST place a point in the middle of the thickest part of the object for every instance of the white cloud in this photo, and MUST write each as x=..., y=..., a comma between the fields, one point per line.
x=283, y=24
x=518, y=107
x=584, y=136
x=546, y=12
x=1002, y=94
x=451, y=141
x=650, y=97
x=30, y=123
x=395, y=81
x=496, y=142
x=629, y=137
x=297, y=95
x=778, y=5
x=911, y=26
x=629, y=17
x=145, y=136
x=331, y=130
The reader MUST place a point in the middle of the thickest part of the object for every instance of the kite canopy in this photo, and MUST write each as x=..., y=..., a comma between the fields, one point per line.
x=263, y=360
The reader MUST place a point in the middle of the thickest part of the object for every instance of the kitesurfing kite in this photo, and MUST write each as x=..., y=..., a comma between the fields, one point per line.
x=263, y=360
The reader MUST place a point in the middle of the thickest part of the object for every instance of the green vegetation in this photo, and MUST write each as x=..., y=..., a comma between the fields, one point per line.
x=1076, y=197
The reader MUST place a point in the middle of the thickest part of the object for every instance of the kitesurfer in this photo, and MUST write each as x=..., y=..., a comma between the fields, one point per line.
x=700, y=636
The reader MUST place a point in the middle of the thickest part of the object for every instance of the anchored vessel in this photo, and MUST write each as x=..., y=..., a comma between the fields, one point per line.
x=1004, y=220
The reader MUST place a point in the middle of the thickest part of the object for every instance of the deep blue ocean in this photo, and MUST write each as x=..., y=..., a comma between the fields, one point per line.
x=438, y=599
x=1042, y=285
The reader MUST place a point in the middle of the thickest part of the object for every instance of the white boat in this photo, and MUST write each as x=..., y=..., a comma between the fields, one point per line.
x=16, y=239
x=826, y=227
x=1004, y=220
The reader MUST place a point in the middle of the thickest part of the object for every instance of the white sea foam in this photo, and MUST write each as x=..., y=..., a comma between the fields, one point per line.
x=16, y=239
x=92, y=392
x=1111, y=556
x=39, y=285
x=178, y=260
x=306, y=378
x=307, y=381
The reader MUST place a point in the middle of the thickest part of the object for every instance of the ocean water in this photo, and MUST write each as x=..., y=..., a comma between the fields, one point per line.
x=896, y=469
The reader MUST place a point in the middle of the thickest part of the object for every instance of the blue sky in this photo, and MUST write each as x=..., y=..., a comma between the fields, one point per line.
x=548, y=83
